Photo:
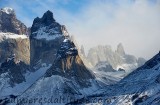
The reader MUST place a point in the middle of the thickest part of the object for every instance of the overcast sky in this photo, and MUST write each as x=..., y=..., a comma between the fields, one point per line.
x=134, y=23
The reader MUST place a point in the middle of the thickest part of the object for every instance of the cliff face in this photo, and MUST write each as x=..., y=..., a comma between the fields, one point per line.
x=43, y=51
x=46, y=36
x=19, y=47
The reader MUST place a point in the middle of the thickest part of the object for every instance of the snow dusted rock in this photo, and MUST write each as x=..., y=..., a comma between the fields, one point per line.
x=9, y=22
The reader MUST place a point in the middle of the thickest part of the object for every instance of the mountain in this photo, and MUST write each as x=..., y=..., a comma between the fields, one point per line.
x=141, y=87
x=43, y=62
x=117, y=59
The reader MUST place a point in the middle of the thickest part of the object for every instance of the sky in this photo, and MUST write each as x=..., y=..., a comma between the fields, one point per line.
x=134, y=23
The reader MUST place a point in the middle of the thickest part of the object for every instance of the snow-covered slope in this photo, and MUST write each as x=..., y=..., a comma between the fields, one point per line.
x=141, y=87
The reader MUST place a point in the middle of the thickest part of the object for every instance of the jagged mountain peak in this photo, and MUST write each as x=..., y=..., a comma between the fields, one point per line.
x=46, y=27
x=120, y=49
x=46, y=19
x=8, y=10
x=10, y=23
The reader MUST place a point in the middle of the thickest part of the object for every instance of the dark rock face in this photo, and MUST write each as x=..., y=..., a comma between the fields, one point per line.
x=9, y=22
x=14, y=69
x=43, y=51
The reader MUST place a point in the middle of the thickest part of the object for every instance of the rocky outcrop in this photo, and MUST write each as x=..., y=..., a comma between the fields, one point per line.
x=9, y=22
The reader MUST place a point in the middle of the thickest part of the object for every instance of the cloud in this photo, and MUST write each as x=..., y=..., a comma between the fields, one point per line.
x=135, y=23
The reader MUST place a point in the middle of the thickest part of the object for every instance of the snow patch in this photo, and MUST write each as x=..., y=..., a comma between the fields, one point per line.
x=51, y=34
x=8, y=35
x=7, y=10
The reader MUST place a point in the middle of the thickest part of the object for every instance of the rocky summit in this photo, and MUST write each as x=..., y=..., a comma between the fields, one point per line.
x=9, y=22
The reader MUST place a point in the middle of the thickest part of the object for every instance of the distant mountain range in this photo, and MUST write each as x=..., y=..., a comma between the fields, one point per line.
x=117, y=59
